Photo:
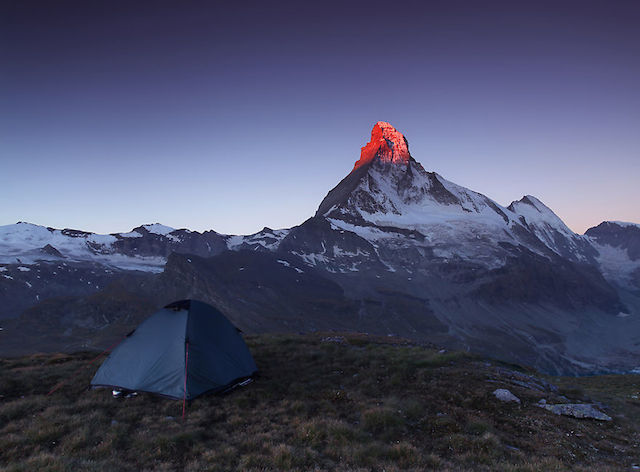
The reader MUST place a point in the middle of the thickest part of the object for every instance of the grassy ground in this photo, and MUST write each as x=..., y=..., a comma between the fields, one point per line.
x=350, y=403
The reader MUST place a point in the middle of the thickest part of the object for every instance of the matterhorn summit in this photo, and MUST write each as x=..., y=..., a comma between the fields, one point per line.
x=387, y=144
x=389, y=195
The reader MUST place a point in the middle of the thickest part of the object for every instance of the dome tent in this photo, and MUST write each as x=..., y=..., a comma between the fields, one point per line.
x=182, y=351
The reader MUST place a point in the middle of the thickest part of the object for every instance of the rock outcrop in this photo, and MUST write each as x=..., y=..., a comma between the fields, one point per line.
x=387, y=145
x=506, y=396
x=576, y=410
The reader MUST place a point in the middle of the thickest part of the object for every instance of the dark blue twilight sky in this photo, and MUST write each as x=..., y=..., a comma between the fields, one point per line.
x=237, y=115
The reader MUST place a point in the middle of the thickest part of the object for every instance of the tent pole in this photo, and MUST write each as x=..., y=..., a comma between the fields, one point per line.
x=184, y=396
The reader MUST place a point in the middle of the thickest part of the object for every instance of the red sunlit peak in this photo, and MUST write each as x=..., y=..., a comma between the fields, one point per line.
x=387, y=144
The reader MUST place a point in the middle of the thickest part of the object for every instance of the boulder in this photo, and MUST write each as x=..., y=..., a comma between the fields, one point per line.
x=505, y=395
x=576, y=410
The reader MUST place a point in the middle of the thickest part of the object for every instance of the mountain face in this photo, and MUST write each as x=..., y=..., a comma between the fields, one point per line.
x=618, y=247
x=392, y=249
x=389, y=195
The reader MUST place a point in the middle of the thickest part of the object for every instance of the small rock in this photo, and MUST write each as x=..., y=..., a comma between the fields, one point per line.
x=334, y=339
x=505, y=395
x=113, y=422
x=542, y=402
x=576, y=410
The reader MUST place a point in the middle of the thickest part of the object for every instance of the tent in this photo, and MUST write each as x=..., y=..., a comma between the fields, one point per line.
x=182, y=351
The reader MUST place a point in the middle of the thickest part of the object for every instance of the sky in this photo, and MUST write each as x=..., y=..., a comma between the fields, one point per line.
x=233, y=116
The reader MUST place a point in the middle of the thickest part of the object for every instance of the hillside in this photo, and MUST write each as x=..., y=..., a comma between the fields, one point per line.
x=321, y=402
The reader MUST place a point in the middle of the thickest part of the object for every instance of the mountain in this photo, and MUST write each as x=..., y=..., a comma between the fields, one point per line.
x=392, y=249
x=618, y=247
x=389, y=196
x=144, y=248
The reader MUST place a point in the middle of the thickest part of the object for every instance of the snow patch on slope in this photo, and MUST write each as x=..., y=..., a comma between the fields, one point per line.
x=132, y=234
x=416, y=207
x=616, y=264
x=157, y=228
x=267, y=238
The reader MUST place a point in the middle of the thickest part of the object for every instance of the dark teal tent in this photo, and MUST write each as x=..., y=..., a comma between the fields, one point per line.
x=182, y=351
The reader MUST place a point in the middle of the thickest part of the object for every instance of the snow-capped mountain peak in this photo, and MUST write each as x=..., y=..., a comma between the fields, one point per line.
x=403, y=195
x=618, y=245
x=538, y=214
x=551, y=230
x=387, y=144
x=157, y=228
x=450, y=219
